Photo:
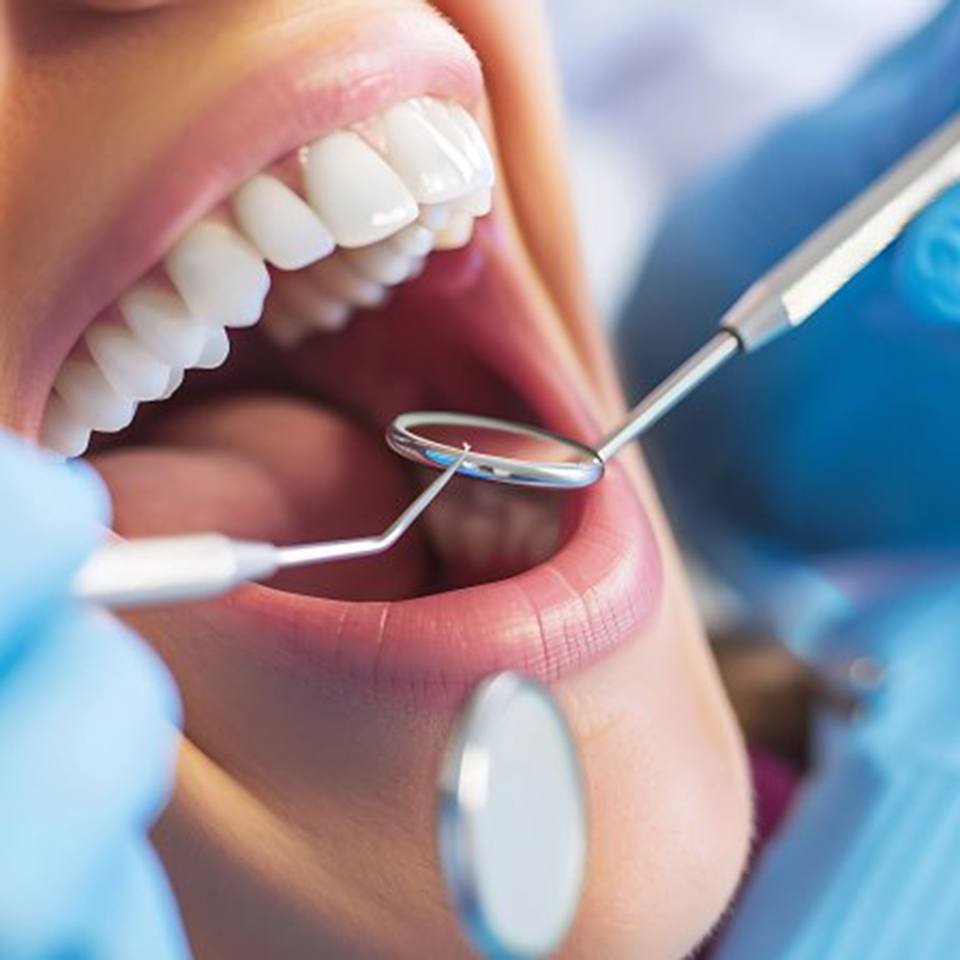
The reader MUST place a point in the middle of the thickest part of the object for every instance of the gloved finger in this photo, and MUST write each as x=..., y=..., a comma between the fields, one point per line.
x=52, y=514
x=132, y=911
x=88, y=742
x=926, y=264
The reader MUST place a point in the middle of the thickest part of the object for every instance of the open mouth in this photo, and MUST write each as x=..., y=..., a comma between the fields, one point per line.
x=240, y=378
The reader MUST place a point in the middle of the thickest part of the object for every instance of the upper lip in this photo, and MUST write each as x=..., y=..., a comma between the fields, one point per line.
x=602, y=586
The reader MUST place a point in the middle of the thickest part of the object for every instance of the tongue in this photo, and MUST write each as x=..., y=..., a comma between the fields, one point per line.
x=277, y=469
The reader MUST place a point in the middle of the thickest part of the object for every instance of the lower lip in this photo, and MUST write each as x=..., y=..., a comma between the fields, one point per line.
x=601, y=589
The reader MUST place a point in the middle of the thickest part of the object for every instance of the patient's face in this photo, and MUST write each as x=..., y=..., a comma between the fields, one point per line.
x=301, y=183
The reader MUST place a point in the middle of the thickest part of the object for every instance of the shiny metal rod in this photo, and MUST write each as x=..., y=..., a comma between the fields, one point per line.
x=155, y=571
x=848, y=242
x=812, y=273
x=662, y=399
x=310, y=553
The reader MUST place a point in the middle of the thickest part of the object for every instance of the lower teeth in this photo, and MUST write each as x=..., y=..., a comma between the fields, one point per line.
x=485, y=531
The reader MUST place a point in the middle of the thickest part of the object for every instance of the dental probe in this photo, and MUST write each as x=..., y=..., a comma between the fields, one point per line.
x=781, y=300
x=161, y=570
x=808, y=277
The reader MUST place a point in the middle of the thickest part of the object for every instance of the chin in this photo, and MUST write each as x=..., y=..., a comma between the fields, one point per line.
x=443, y=274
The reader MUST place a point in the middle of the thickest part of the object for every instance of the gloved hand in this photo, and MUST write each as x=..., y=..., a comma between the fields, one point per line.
x=88, y=738
x=846, y=433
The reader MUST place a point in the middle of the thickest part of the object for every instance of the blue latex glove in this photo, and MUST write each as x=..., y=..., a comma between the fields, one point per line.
x=866, y=865
x=88, y=738
x=845, y=434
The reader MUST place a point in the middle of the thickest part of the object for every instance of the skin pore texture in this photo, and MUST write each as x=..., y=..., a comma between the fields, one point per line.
x=302, y=822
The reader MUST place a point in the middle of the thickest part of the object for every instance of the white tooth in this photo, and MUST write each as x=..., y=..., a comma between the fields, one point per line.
x=435, y=216
x=161, y=321
x=61, y=431
x=456, y=124
x=416, y=267
x=89, y=397
x=215, y=350
x=173, y=384
x=340, y=280
x=380, y=263
x=477, y=204
x=329, y=314
x=413, y=241
x=355, y=191
x=465, y=121
x=309, y=304
x=429, y=162
x=280, y=225
x=220, y=275
x=286, y=330
x=128, y=365
x=456, y=234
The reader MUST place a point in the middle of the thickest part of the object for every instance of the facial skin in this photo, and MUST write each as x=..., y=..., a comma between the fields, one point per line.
x=302, y=822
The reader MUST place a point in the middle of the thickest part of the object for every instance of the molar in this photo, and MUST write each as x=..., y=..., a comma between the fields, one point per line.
x=381, y=263
x=455, y=234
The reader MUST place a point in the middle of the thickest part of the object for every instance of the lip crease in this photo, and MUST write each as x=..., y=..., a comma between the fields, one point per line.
x=269, y=113
x=600, y=589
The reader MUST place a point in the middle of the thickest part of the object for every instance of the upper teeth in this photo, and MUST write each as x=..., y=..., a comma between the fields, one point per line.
x=405, y=182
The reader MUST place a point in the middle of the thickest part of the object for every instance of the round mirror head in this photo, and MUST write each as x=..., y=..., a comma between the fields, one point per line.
x=500, y=450
x=512, y=820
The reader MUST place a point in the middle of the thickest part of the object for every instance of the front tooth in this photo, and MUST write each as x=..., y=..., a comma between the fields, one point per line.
x=61, y=431
x=355, y=191
x=216, y=349
x=127, y=364
x=380, y=263
x=90, y=397
x=279, y=224
x=219, y=274
x=337, y=278
x=432, y=166
x=456, y=234
x=415, y=240
x=457, y=124
x=162, y=322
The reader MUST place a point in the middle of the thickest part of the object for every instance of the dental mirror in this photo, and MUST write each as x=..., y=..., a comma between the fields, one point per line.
x=512, y=823
x=516, y=453
x=500, y=450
